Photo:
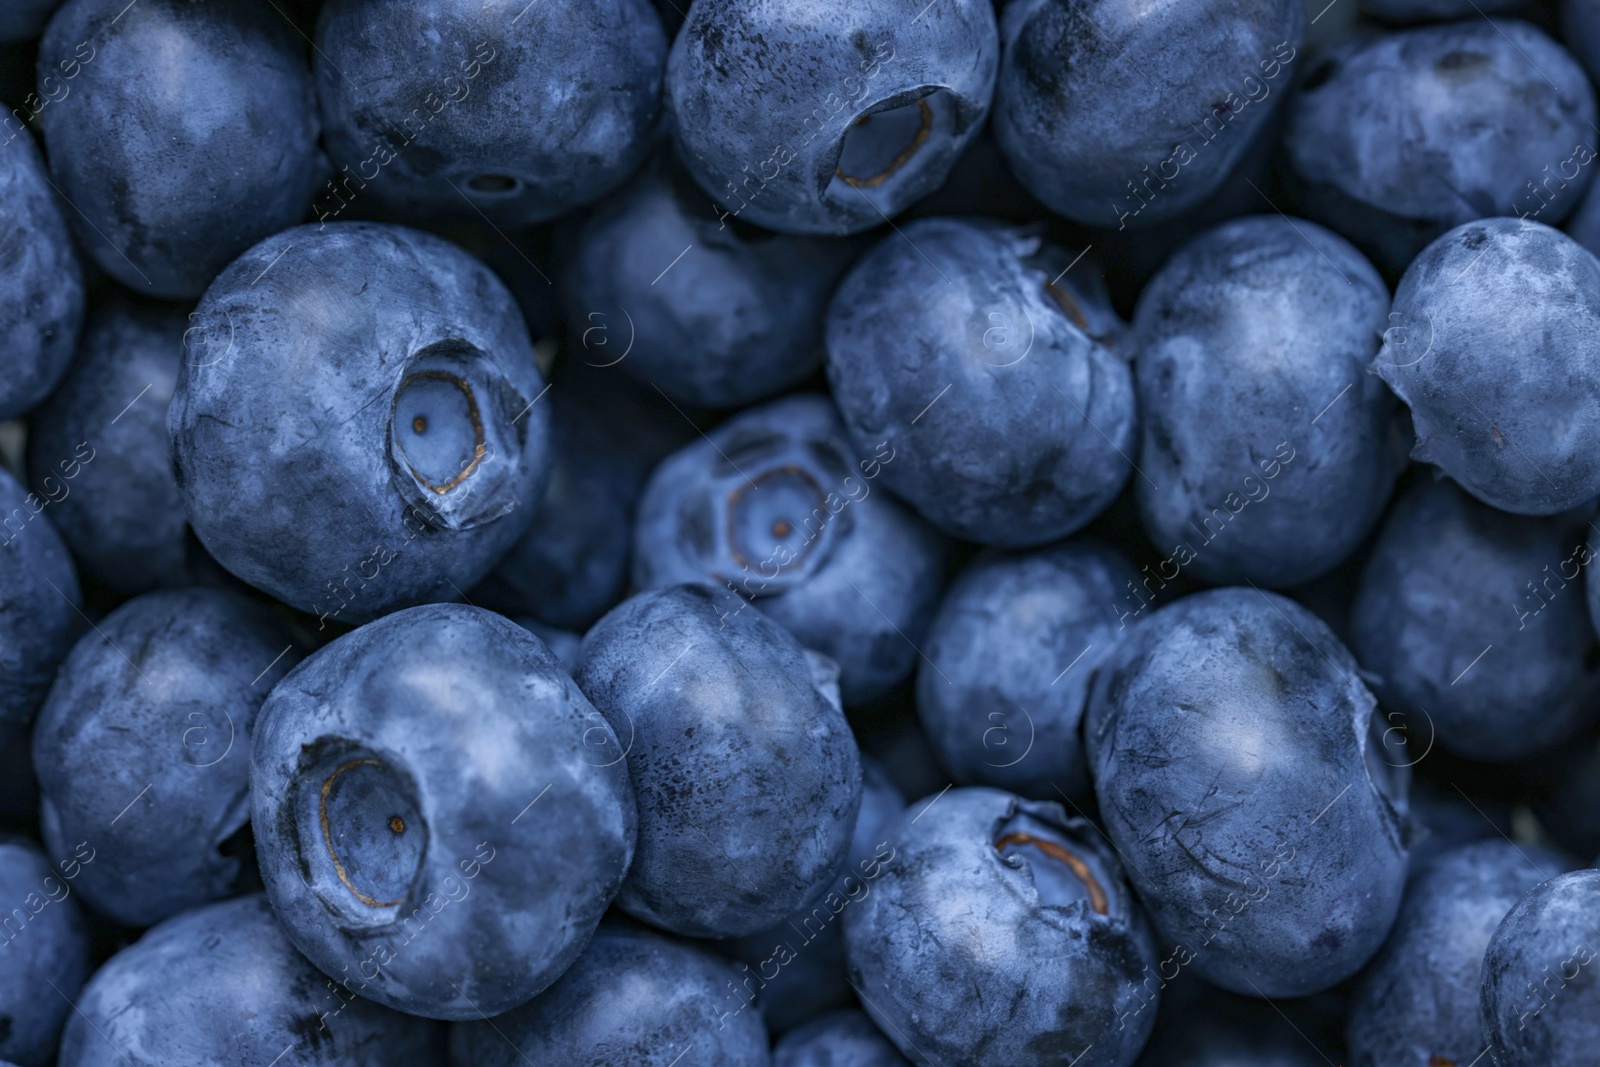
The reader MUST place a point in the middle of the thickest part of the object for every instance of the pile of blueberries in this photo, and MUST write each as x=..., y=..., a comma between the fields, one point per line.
x=799, y=533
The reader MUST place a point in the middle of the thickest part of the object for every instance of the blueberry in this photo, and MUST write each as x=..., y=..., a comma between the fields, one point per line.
x=1010, y=655
x=1395, y=140
x=777, y=505
x=221, y=984
x=985, y=377
x=1244, y=778
x=837, y=1039
x=121, y=512
x=1540, y=1002
x=704, y=311
x=182, y=135
x=355, y=428
x=1489, y=381
x=1465, y=624
x=38, y=604
x=1255, y=344
x=634, y=997
x=1418, y=1002
x=44, y=951
x=1116, y=113
x=566, y=646
x=745, y=770
x=1580, y=31
x=41, y=302
x=440, y=815
x=23, y=20
x=995, y=930
x=846, y=116
x=143, y=748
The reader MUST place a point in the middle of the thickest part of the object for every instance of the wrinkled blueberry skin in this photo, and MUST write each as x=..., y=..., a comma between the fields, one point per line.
x=767, y=96
x=1397, y=140
x=169, y=194
x=161, y=696
x=855, y=575
x=633, y=997
x=1254, y=348
x=1241, y=773
x=121, y=512
x=690, y=305
x=1487, y=381
x=796, y=970
x=222, y=985
x=23, y=20
x=1540, y=1003
x=44, y=944
x=38, y=604
x=447, y=894
x=1419, y=999
x=41, y=284
x=1065, y=63
x=1007, y=407
x=299, y=470
x=1451, y=580
x=949, y=921
x=837, y=1039
x=523, y=113
x=1010, y=657
x=746, y=773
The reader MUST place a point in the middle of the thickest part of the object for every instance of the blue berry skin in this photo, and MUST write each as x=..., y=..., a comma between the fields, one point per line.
x=43, y=944
x=1580, y=31
x=746, y=773
x=986, y=899
x=769, y=99
x=1540, y=1003
x=1010, y=657
x=566, y=646
x=1099, y=140
x=992, y=375
x=23, y=20
x=1418, y=1001
x=634, y=997
x=1485, y=381
x=120, y=513
x=1464, y=624
x=222, y=985
x=521, y=112
x=777, y=505
x=167, y=195
x=1254, y=351
x=440, y=816
x=837, y=1039
x=1242, y=774
x=796, y=970
x=1398, y=138
x=143, y=748
x=41, y=284
x=38, y=604
x=355, y=427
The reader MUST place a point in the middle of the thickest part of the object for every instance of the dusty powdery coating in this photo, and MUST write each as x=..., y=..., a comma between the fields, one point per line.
x=828, y=116
x=222, y=985
x=777, y=505
x=1464, y=621
x=522, y=111
x=1540, y=1000
x=1504, y=395
x=1418, y=1002
x=1394, y=140
x=38, y=604
x=355, y=426
x=1267, y=449
x=440, y=816
x=837, y=1039
x=992, y=372
x=1240, y=771
x=746, y=773
x=44, y=955
x=989, y=899
x=633, y=997
x=1115, y=113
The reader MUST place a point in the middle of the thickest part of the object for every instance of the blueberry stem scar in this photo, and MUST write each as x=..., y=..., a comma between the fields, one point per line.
x=900, y=160
x=1097, y=895
x=327, y=833
x=479, y=448
x=738, y=494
